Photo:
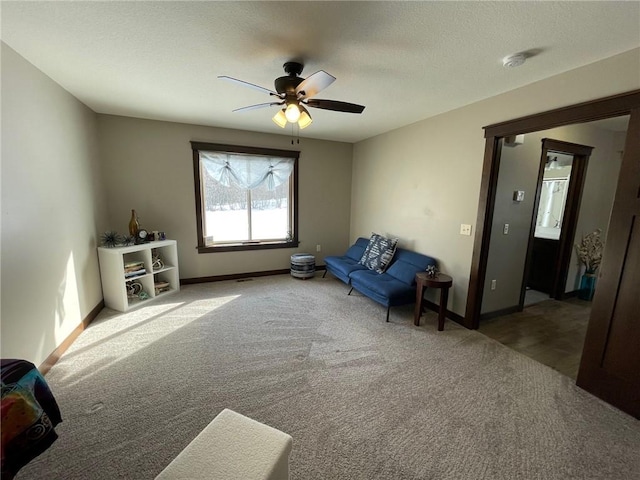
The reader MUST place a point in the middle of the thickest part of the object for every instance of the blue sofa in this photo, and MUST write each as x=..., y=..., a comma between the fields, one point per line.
x=396, y=286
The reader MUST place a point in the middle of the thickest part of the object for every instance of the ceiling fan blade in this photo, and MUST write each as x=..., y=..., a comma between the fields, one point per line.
x=314, y=83
x=247, y=84
x=256, y=107
x=334, y=105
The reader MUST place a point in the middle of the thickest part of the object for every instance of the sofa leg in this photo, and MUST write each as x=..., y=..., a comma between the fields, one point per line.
x=324, y=274
x=350, y=291
x=388, y=308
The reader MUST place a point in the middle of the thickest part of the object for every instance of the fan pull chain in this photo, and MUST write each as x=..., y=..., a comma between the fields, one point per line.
x=297, y=134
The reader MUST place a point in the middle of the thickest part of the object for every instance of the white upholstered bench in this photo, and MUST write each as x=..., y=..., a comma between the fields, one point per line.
x=233, y=447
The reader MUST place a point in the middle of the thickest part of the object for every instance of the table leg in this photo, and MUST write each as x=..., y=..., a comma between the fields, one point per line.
x=418, y=309
x=444, y=297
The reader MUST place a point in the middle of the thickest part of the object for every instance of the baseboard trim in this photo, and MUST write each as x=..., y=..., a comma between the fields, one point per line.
x=500, y=313
x=51, y=360
x=449, y=314
x=238, y=276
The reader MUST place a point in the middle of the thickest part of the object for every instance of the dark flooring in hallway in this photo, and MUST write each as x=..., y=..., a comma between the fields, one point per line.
x=551, y=332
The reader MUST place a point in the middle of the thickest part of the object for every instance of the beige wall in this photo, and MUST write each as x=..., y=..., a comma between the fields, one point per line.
x=52, y=207
x=148, y=167
x=68, y=175
x=422, y=181
x=519, y=171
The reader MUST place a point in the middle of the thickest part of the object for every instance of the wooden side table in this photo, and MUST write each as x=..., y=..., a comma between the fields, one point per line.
x=441, y=281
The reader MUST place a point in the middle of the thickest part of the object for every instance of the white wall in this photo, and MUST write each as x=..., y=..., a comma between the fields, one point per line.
x=148, y=167
x=422, y=181
x=52, y=207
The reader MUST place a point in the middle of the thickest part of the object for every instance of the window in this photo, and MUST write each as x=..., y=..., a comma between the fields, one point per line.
x=246, y=197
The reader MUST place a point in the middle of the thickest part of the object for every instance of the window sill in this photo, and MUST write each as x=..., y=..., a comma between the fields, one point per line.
x=246, y=246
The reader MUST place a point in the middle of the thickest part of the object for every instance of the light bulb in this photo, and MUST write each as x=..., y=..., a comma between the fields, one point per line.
x=292, y=113
x=279, y=119
x=305, y=118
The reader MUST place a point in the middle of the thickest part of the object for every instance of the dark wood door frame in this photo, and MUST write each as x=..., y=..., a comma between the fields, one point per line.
x=581, y=154
x=608, y=107
x=610, y=358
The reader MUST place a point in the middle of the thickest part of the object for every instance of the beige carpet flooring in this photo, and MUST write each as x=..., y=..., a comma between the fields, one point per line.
x=362, y=399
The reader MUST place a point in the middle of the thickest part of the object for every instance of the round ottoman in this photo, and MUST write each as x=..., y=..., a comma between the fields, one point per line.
x=303, y=265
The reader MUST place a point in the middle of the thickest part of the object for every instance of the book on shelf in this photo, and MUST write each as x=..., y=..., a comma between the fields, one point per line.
x=133, y=266
x=135, y=273
x=132, y=269
x=162, y=286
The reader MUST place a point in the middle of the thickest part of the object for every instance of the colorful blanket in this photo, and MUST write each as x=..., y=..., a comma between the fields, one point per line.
x=29, y=414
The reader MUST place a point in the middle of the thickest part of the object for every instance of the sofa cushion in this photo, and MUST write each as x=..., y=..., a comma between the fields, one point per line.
x=342, y=267
x=382, y=288
x=357, y=249
x=407, y=263
x=379, y=253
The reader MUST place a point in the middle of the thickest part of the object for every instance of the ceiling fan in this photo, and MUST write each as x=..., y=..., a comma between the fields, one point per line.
x=294, y=93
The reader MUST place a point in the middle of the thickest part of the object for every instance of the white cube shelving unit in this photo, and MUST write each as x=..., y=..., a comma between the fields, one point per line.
x=114, y=283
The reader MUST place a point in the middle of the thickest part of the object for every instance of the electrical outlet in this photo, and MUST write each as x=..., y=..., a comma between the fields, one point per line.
x=493, y=284
x=318, y=248
x=465, y=229
x=505, y=230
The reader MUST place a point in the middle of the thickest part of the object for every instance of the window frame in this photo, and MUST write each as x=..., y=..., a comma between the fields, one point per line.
x=202, y=247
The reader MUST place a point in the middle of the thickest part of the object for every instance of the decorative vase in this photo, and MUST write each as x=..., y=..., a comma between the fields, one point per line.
x=134, y=225
x=587, y=286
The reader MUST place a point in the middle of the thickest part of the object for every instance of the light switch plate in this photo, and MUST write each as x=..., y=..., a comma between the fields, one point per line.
x=518, y=195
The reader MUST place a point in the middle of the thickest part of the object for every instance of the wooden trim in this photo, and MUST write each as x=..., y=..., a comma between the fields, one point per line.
x=258, y=151
x=581, y=154
x=449, y=314
x=607, y=107
x=594, y=374
x=51, y=360
x=239, y=276
x=489, y=183
x=198, y=195
x=267, y=152
x=296, y=205
x=569, y=223
x=567, y=147
x=501, y=312
x=246, y=246
x=613, y=106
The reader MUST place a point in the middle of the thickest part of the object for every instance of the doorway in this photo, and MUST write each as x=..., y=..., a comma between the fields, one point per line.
x=553, y=174
x=546, y=236
x=561, y=178
x=608, y=365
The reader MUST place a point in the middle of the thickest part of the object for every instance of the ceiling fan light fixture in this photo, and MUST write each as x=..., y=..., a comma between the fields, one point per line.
x=293, y=93
x=305, y=119
x=292, y=113
x=280, y=119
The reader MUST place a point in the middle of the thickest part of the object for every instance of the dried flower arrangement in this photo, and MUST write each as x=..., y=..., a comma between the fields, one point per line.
x=432, y=271
x=590, y=250
x=128, y=240
x=111, y=239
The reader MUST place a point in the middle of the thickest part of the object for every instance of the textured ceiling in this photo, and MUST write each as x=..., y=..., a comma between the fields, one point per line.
x=405, y=61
